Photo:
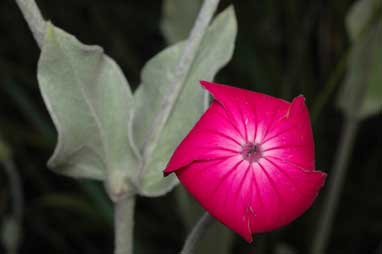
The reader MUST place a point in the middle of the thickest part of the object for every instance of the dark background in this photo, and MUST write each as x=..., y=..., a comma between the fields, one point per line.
x=284, y=48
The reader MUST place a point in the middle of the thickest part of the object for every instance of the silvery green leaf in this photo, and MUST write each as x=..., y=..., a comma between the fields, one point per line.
x=361, y=95
x=215, y=51
x=89, y=101
x=178, y=16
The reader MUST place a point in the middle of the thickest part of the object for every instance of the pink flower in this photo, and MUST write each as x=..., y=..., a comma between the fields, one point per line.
x=249, y=160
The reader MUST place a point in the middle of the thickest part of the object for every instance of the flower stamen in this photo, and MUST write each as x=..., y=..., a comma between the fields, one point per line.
x=251, y=152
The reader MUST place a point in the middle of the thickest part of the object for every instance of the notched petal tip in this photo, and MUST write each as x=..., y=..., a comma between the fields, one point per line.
x=323, y=177
x=249, y=239
x=204, y=83
x=210, y=86
x=174, y=166
x=297, y=107
x=216, y=89
x=298, y=102
x=226, y=95
x=171, y=167
x=249, y=236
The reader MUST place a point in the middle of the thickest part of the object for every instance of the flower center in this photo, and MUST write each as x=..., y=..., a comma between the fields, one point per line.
x=251, y=152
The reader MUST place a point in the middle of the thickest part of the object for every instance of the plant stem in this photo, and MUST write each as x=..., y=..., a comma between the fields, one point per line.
x=190, y=50
x=12, y=240
x=34, y=19
x=124, y=224
x=197, y=233
x=335, y=185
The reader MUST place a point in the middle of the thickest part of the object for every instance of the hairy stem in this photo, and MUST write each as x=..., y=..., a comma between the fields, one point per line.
x=335, y=185
x=124, y=224
x=197, y=233
x=34, y=19
x=192, y=44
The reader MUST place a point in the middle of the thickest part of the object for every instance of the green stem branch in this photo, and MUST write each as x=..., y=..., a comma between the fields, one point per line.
x=124, y=225
x=197, y=233
x=335, y=185
x=34, y=19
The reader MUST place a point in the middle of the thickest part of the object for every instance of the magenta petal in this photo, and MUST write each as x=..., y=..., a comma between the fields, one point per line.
x=293, y=138
x=284, y=193
x=252, y=113
x=251, y=198
x=249, y=160
x=206, y=141
x=223, y=188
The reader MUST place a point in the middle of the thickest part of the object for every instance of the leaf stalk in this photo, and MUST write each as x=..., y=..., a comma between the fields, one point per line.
x=180, y=73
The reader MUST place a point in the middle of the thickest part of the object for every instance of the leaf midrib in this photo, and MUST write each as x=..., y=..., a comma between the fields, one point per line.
x=79, y=84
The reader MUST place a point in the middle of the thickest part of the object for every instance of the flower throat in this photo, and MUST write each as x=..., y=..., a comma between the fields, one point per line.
x=251, y=152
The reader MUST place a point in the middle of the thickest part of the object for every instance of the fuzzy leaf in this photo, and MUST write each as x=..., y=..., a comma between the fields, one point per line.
x=178, y=18
x=215, y=51
x=88, y=99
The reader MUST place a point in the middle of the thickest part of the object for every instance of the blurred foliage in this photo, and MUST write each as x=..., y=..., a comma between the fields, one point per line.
x=361, y=95
x=178, y=17
x=284, y=48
